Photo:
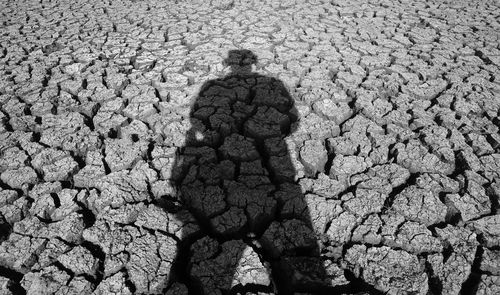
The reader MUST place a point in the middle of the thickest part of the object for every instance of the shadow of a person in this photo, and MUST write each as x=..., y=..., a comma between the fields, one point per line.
x=235, y=174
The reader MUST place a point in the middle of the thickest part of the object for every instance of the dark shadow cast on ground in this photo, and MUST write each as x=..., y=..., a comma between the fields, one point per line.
x=235, y=174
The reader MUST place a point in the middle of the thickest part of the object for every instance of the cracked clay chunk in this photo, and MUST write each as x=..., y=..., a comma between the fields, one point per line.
x=20, y=177
x=489, y=228
x=239, y=148
x=150, y=261
x=266, y=123
x=314, y=156
x=80, y=261
x=417, y=158
x=420, y=205
x=391, y=271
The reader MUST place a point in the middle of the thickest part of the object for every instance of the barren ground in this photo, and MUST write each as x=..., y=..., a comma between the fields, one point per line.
x=394, y=147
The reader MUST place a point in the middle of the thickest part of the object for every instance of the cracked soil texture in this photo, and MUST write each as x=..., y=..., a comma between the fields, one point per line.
x=252, y=147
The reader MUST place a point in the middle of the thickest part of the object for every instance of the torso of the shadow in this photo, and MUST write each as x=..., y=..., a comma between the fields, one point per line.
x=235, y=173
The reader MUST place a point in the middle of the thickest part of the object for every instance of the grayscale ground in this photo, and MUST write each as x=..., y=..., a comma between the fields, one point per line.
x=396, y=148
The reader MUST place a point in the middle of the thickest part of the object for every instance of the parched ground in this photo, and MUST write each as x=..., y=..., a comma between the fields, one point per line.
x=396, y=149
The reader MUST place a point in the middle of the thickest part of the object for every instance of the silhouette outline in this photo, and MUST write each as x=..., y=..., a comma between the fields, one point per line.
x=236, y=176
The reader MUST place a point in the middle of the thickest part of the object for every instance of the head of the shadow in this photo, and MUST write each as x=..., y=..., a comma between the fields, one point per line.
x=240, y=61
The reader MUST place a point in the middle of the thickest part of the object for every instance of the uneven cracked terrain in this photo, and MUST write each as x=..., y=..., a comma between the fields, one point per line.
x=329, y=147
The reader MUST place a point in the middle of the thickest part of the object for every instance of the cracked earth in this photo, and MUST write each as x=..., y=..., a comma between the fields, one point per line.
x=327, y=147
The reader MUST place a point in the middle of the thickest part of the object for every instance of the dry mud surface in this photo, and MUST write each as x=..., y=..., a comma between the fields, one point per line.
x=139, y=155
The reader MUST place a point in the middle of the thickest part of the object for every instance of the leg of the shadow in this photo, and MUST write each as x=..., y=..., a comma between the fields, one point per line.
x=291, y=243
x=216, y=266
